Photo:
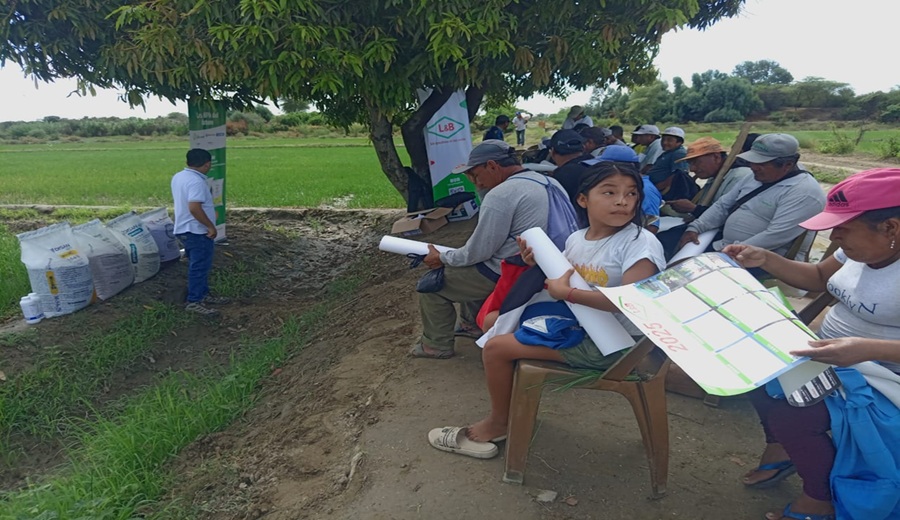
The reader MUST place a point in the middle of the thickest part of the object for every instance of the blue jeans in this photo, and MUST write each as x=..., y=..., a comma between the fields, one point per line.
x=199, y=251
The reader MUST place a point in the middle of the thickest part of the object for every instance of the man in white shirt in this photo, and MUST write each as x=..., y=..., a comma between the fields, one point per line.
x=520, y=122
x=576, y=117
x=195, y=227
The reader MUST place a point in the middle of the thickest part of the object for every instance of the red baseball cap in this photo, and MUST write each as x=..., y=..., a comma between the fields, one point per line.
x=858, y=193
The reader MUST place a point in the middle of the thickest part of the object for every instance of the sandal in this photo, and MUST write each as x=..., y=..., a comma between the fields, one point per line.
x=787, y=513
x=418, y=351
x=468, y=331
x=453, y=439
x=785, y=469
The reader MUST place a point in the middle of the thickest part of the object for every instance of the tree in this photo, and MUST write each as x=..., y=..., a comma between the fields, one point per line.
x=360, y=61
x=763, y=72
x=649, y=103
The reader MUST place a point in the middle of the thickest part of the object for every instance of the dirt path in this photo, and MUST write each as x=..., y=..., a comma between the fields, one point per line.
x=341, y=433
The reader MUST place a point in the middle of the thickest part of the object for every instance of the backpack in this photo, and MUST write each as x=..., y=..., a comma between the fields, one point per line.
x=561, y=219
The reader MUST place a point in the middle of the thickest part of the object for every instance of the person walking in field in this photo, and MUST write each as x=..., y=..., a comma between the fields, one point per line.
x=195, y=228
x=520, y=122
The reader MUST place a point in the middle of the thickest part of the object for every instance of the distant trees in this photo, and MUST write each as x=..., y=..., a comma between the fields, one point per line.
x=755, y=88
x=763, y=72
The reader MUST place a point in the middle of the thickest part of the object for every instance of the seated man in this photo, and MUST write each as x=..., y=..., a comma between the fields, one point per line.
x=705, y=157
x=496, y=131
x=594, y=139
x=647, y=145
x=472, y=271
x=669, y=173
x=567, y=152
x=764, y=211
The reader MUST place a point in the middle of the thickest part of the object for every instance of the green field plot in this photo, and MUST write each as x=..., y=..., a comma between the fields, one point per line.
x=271, y=173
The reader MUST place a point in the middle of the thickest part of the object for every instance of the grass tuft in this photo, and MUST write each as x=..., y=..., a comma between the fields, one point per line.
x=13, y=277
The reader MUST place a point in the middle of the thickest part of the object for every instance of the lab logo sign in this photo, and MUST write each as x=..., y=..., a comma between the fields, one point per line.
x=446, y=127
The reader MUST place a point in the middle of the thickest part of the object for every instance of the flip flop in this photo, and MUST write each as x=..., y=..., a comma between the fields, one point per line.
x=453, y=440
x=418, y=351
x=785, y=469
x=787, y=513
x=468, y=332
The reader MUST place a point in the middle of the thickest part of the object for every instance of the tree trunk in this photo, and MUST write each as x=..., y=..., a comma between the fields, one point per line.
x=413, y=132
x=381, y=131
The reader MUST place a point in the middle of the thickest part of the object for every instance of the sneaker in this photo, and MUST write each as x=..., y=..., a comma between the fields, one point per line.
x=216, y=300
x=197, y=308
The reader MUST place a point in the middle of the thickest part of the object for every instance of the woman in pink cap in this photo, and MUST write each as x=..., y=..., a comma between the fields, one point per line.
x=863, y=212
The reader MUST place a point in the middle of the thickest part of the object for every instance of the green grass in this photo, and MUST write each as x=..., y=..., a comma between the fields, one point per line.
x=13, y=277
x=39, y=400
x=118, y=468
x=268, y=173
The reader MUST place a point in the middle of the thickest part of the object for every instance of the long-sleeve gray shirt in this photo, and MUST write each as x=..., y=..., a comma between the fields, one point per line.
x=769, y=220
x=506, y=211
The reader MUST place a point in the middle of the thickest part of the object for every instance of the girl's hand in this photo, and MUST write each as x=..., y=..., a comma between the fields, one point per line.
x=747, y=256
x=525, y=251
x=838, y=351
x=559, y=288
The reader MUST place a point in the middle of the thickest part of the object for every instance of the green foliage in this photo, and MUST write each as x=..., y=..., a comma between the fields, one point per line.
x=723, y=115
x=763, y=72
x=840, y=143
x=13, y=277
x=648, y=104
x=890, y=149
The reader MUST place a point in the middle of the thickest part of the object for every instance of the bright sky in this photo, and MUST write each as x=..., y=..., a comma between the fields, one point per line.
x=842, y=41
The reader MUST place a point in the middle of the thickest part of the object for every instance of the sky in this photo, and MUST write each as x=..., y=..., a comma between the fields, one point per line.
x=849, y=42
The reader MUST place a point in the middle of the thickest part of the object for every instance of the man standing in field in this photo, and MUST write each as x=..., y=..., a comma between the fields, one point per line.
x=195, y=227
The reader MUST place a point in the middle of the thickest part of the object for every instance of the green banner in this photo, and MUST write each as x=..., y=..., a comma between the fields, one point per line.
x=206, y=120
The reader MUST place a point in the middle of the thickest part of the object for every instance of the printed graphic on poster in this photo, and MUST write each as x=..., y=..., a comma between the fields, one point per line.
x=207, y=131
x=448, y=140
x=724, y=329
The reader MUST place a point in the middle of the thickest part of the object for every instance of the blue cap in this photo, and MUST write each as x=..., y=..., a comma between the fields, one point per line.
x=618, y=153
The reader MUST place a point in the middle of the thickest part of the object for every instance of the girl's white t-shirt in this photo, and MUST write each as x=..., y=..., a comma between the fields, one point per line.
x=867, y=306
x=603, y=262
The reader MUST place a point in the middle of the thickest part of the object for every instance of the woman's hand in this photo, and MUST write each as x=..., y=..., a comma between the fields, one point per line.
x=559, y=288
x=525, y=251
x=747, y=256
x=838, y=351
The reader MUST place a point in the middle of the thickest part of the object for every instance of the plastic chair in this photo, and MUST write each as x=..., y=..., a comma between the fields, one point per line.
x=646, y=392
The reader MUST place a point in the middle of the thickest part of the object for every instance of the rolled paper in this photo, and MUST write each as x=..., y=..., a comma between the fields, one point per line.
x=691, y=249
x=403, y=246
x=606, y=331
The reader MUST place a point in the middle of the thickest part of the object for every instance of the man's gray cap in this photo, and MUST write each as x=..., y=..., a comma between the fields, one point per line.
x=771, y=146
x=487, y=150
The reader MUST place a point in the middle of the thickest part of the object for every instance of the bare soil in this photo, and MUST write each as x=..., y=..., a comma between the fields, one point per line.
x=340, y=429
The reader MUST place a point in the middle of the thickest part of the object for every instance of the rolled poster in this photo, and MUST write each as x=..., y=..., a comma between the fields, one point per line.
x=607, y=333
x=403, y=246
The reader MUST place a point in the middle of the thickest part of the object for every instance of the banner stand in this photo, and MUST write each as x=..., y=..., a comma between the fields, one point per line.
x=206, y=121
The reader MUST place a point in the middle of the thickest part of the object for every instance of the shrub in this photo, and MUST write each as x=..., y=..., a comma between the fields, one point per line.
x=807, y=143
x=723, y=115
x=841, y=144
x=890, y=149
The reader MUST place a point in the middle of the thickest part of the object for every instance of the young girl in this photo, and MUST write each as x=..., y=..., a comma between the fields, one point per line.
x=613, y=250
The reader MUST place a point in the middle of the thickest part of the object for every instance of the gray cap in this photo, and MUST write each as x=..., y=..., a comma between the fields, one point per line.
x=646, y=129
x=674, y=131
x=771, y=146
x=487, y=150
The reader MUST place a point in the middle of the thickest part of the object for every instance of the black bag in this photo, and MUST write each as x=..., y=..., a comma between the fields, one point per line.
x=432, y=281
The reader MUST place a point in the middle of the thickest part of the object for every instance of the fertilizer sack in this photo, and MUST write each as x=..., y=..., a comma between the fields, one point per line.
x=130, y=230
x=109, y=260
x=59, y=273
x=163, y=230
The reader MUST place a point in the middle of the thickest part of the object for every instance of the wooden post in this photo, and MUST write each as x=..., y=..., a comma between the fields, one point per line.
x=732, y=155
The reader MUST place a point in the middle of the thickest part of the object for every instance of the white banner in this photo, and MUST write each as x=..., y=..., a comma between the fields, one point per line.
x=448, y=140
